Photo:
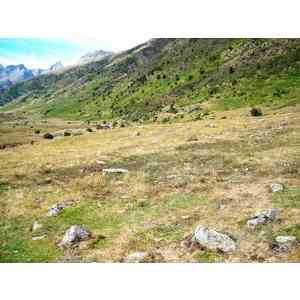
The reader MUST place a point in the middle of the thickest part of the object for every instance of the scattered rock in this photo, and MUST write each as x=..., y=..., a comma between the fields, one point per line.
x=143, y=257
x=286, y=239
x=103, y=126
x=115, y=171
x=211, y=125
x=54, y=210
x=48, y=136
x=276, y=187
x=262, y=218
x=283, y=244
x=74, y=235
x=137, y=134
x=136, y=257
x=37, y=238
x=36, y=226
x=96, y=167
x=40, y=199
x=214, y=240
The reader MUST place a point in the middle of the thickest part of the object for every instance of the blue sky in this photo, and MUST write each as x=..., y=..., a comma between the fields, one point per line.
x=41, y=53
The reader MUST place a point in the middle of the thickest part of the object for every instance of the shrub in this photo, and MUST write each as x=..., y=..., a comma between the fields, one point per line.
x=37, y=131
x=256, y=112
x=67, y=133
x=48, y=136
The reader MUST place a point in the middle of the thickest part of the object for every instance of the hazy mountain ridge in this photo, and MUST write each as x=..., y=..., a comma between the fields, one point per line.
x=93, y=56
x=14, y=73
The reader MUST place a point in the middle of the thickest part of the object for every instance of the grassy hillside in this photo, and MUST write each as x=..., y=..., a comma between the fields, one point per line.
x=167, y=75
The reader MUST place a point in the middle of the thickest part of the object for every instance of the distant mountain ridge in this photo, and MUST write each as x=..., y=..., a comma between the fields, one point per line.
x=12, y=74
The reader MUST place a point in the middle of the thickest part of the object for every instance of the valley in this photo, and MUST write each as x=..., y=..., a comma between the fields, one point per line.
x=215, y=172
x=177, y=150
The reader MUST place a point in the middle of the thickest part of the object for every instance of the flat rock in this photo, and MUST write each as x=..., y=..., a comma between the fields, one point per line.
x=37, y=238
x=115, y=171
x=276, y=187
x=136, y=257
x=214, y=240
x=286, y=239
x=263, y=217
x=74, y=235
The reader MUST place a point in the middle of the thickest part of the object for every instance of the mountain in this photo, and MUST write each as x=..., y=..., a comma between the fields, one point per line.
x=12, y=74
x=93, y=56
x=15, y=73
x=56, y=67
x=164, y=75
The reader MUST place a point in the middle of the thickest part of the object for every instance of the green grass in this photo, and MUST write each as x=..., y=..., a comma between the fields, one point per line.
x=184, y=201
x=190, y=71
x=289, y=198
x=16, y=244
x=3, y=186
x=293, y=230
x=15, y=236
x=207, y=256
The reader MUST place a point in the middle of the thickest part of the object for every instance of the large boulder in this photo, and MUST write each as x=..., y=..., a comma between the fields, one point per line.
x=214, y=240
x=74, y=235
x=136, y=257
x=263, y=218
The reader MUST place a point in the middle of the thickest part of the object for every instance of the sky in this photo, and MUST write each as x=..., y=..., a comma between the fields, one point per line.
x=42, y=53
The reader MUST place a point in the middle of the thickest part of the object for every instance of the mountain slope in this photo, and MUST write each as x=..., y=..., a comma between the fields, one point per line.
x=140, y=83
x=93, y=56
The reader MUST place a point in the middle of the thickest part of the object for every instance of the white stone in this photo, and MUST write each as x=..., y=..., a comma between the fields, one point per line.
x=285, y=239
x=276, y=187
x=115, y=171
x=74, y=235
x=263, y=217
x=136, y=257
x=37, y=238
x=214, y=240
x=36, y=226
x=54, y=210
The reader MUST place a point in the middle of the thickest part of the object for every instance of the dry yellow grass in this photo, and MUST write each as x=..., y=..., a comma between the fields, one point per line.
x=218, y=180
